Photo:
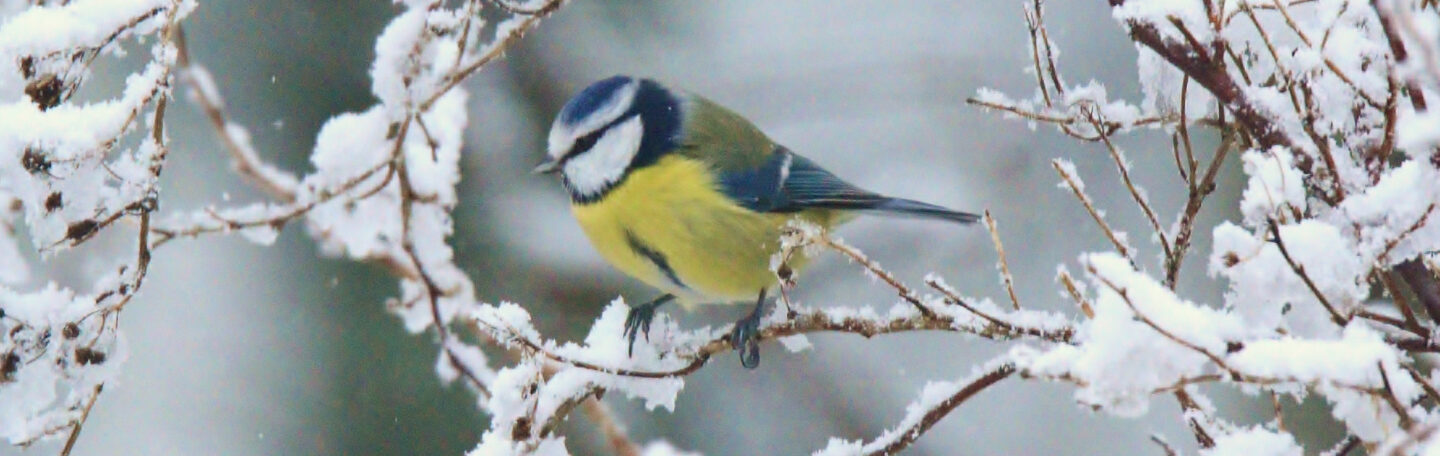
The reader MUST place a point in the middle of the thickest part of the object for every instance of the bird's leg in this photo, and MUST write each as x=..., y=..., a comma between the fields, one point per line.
x=787, y=281
x=638, y=320
x=746, y=335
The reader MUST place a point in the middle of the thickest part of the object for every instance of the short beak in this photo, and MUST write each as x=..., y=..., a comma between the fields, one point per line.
x=549, y=166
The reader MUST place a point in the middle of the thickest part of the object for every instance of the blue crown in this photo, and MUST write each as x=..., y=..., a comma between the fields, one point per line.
x=592, y=98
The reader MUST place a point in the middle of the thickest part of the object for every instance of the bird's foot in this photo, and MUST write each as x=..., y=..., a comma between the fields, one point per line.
x=638, y=320
x=746, y=339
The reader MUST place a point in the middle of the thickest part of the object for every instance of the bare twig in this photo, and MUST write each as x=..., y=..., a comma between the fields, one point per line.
x=496, y=50
x=84, y=415
x=614, y=433
x=1124, y=169
x=1004, y=265
x=246, y=162
x=1077, y=188
x=1406, y=422
x=1196, y=199
x=1411, y=323
x=1074, y=292
x=909, y=435
x=1193, y=413
x=1164, y=446
x=904, y=291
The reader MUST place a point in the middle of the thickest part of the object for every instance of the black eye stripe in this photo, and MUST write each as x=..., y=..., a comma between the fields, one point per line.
x=583, y=144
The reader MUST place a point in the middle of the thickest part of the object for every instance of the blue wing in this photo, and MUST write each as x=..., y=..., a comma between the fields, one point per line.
x=788, y=183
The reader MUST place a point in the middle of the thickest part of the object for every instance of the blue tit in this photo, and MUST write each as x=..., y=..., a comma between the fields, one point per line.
x=690, y=197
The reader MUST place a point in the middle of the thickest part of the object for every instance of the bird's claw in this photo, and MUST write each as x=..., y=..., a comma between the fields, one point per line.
x=746, y=340
x=637, y=322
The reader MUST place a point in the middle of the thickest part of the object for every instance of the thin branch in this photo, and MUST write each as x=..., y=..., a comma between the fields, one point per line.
x=1073, y=182
x=905, y=292
x=1074, y=292
x=496, y=50
x=84, y=416
x=1124, y=169
x=1300, y=271
x=943, y=408
x=1411, y=323
x=1062, y=335
x=1419, y=223
x=1200, y=65
x=1193, y=412
x=1424, y=383
x=1164, y=446
x=1193, y=203
x=1406, y=422
x=243, y=158
x=1004, y=265
x=1285, y=12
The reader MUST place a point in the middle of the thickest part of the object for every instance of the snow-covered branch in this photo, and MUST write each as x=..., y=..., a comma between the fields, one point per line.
x=1322, y=104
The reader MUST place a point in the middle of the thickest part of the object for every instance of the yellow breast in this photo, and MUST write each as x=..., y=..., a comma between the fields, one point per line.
x=668, y=225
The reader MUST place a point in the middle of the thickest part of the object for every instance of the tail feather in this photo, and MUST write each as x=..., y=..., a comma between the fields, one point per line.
x=905, y=207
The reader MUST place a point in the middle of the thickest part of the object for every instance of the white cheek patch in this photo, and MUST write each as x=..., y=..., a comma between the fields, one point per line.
x=591, y=172
x=562, y=137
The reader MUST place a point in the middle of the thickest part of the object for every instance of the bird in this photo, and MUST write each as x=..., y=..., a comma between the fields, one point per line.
x=691, y=198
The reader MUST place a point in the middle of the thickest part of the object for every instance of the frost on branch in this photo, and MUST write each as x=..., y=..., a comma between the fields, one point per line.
x=1326, y=103
x=73, y=168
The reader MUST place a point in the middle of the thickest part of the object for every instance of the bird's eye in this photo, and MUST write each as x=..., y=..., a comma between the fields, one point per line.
x=584, y=143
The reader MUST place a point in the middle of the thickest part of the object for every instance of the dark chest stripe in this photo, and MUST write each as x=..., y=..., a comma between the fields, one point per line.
x=655, y=258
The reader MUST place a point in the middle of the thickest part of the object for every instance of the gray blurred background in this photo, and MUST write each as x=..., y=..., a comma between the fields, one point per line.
x=239, y=349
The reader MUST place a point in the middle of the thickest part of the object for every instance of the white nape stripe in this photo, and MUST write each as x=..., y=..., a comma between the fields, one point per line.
x=591, y=172
x=562, y=136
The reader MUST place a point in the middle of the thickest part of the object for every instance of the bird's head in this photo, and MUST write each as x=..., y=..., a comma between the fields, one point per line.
x=609, y=129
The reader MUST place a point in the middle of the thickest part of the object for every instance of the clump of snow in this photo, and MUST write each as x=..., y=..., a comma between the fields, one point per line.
x=1123, y=359
x=664, y=448
x=1275, y=187
x=1396, y=216
x=1266, y=291
x=1254, y=441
